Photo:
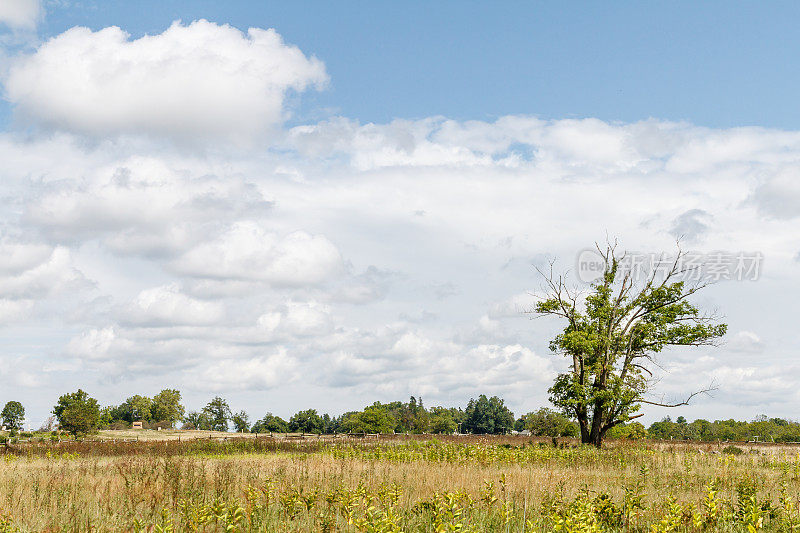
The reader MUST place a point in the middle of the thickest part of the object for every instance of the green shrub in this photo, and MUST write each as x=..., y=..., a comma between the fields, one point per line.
x=733, y=450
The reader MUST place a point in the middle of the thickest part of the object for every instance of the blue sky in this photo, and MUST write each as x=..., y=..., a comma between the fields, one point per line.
x=716, y=64
x=310, y=205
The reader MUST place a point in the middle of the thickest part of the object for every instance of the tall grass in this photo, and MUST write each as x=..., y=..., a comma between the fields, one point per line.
x=403, y=485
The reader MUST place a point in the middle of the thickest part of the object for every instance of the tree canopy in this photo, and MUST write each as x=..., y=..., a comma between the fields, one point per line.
x=270, y=424
x=547, y=422
x=611, y=336
x=13, y=415
x=217, y=413
x=167, y=407
x=77, y=413
x=307, y=421
x=488, y=415
x=370, y=420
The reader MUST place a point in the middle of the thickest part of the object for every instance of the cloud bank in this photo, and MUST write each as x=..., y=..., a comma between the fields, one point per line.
x=335, y=263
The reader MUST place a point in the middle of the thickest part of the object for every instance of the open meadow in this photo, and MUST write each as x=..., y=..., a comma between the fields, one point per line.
x=458, y=483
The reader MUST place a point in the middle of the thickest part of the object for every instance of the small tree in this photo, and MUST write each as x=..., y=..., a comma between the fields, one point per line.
x=136, y=408
x=241, y=422
x=167, y=406
x=611, y=336
x=48, y=424
x=370, y=420
x=270, y=424
x=218, y=412
x=549, y=423
x=13, y=415
x=488, y=415
x=195, y=420
x=307, y=421
x=77, y=413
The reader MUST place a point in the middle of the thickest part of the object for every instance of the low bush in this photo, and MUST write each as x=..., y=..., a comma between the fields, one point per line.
x=732, y=450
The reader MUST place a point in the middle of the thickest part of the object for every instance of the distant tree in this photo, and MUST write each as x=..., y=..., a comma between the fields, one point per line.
x=218, y=412
x=680, y=420
x=331, y=424
x=77, y=413
x=48, y=425
x=612, y=334
x=549, y=423
x=197, y=420
x=106, y=417
x=633, y=431
x=442, y=424
x=115, y=414
x=167, y=406
x=307, y=421
x=13, y=415
x=397, y=410
x=241, y=422
x=370, y=420
x=665, y=429
x=488, y=415
x=137, y=408
x=455, y=414
x=413, y=417
x=270, y=424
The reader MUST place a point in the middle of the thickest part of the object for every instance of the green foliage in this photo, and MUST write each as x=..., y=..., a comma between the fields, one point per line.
x=633, y=431
x=732, y=450
x=762, y=429
x=197, y=420
x=610, y=338
x=409, y=417
x=547, y=423
x=307, y=421
x=270, y=424
x=241, y=422
x=77, y=413
x=164, y=407
x=442, y=424
x=488, y=415
x=137, y=408
x=167, y=407
x=370, y=420
x=217, y=413
x=454, y=413
x=13, y=414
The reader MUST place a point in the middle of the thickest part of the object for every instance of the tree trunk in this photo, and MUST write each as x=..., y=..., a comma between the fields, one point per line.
x=583, y=423
x=596, y=434
x=584, y=431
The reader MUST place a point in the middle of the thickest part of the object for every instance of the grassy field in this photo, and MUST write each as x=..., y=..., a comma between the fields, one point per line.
x=399, y=484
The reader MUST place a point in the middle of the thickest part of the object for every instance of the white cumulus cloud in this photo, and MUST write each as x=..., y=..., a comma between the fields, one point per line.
x=167, y=306
x=199, y=79
x=250, y=252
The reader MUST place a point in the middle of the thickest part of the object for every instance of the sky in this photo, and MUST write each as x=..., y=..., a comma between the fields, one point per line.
x=311, y=205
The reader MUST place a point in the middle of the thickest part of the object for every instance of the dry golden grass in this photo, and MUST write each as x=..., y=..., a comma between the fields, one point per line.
x=299, y=487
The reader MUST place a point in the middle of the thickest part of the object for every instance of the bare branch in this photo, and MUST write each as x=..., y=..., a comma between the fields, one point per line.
x=705, y=391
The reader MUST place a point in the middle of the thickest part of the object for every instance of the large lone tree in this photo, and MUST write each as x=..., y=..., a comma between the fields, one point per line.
x=612, y=334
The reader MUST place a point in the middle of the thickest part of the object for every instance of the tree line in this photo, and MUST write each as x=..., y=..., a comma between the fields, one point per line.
x=80, y=414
